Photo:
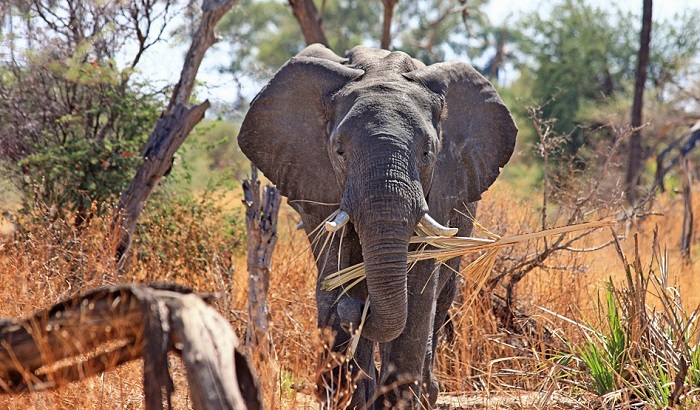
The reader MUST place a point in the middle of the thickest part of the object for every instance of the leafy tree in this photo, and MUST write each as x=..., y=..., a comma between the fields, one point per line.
x=581, y=57
x=72, y=135
x=438, y=30
x=73, y=124
x=263, y=34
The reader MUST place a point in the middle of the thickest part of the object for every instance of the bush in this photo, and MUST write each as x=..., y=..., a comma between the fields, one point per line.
x=72, y=131
x=188, y=237
x=644, y=349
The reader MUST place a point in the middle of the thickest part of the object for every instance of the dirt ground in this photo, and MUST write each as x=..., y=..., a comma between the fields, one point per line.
x=515, y=400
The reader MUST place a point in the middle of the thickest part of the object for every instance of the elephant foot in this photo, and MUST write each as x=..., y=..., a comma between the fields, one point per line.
x=350, y=314
x=403, y=399
x=347, y=383
x=334, y=385
x=432, y=388
x=400, y=392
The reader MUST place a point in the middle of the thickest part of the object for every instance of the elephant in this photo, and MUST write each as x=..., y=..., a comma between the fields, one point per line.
x=386, y=143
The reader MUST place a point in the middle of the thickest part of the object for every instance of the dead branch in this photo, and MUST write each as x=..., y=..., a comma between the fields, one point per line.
x=261, y=227
x=686, y=143
x=170, y=132
x=386, y=24
x=687, y=234
x=310, y=21
x=106, y=327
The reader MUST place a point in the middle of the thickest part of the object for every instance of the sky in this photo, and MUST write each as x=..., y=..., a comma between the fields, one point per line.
x=499, y=10
x=163, y=63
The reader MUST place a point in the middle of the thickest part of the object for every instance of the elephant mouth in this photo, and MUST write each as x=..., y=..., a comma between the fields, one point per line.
x=427, y=223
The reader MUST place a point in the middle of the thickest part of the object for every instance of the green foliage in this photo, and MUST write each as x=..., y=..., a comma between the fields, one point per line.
x=264, y=33
x=675, y=46
x=287, y=381
x=639, y=351
x=433, y=30
x=580, y=54
x=209, y=154
x=583, y=61
x=351, y=22
x=694, y=371
x=73, y=125
x=604, y=353
x=91, y=149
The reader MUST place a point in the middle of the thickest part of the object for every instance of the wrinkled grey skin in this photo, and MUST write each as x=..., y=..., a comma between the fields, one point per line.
x=386, y=139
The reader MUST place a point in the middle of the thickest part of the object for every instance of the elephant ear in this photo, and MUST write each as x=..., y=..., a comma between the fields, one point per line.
x=478, y=134
x=284, y=132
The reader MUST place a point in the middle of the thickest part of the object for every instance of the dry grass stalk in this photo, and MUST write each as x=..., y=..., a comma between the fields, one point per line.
x=448, y=248
x=43, y=266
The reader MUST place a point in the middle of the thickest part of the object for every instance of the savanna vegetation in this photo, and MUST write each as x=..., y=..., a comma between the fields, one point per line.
x=605, y=318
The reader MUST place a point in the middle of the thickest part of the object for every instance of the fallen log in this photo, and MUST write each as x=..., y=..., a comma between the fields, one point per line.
x=103, y=328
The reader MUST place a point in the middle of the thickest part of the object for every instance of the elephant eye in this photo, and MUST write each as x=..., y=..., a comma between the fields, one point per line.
x=340, y=150
x=427, y=153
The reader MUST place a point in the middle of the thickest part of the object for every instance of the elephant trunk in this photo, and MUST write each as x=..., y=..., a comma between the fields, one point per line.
x=385, y=209
x=385, y=267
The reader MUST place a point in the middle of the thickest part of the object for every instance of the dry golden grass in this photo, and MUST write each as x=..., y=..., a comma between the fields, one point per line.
x=51, y=261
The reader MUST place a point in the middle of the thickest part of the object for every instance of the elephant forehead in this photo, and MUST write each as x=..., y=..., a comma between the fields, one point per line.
x=393, y=94
x=374, y=115
x=381, y=61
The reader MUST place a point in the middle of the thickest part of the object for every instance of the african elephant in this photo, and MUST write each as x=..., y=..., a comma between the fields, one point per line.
x=385, y=139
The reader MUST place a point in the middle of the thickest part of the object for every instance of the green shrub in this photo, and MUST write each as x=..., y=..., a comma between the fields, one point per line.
x=647, y=355
x=73, y=131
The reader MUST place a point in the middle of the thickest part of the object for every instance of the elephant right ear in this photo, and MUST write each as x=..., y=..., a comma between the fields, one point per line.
x=284, y=132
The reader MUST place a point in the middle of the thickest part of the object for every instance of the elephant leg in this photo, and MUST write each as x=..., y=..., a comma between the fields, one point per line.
x=340, y=379
x=337, y=376
x=365, y=375
x=402, y=359
x=448, y=290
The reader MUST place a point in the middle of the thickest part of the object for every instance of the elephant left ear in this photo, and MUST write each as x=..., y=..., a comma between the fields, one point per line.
x=478, y=134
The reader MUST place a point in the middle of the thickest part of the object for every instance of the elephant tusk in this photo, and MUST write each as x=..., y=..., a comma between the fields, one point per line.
x=433, y=227
x=338, y=222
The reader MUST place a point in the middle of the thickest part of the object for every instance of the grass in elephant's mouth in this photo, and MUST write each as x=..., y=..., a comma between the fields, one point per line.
x=446, y=248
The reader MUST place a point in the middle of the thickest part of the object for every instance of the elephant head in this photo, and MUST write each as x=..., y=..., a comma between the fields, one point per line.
x=382, y=136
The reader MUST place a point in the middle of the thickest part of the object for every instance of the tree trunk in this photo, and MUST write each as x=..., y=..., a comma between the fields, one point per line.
x=261, y=229
x=170, y=132
x=309, y=20
x=500, y=56
x=386, y=25
x=687, y=234
x=634, y=163
x=101, y=329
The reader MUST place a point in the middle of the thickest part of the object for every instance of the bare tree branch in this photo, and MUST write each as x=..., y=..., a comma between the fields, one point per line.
x=170, y=132
x=386, y=25
x=310, y=21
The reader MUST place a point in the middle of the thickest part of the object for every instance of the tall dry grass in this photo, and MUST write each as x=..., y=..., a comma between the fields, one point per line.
x=50, y=260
